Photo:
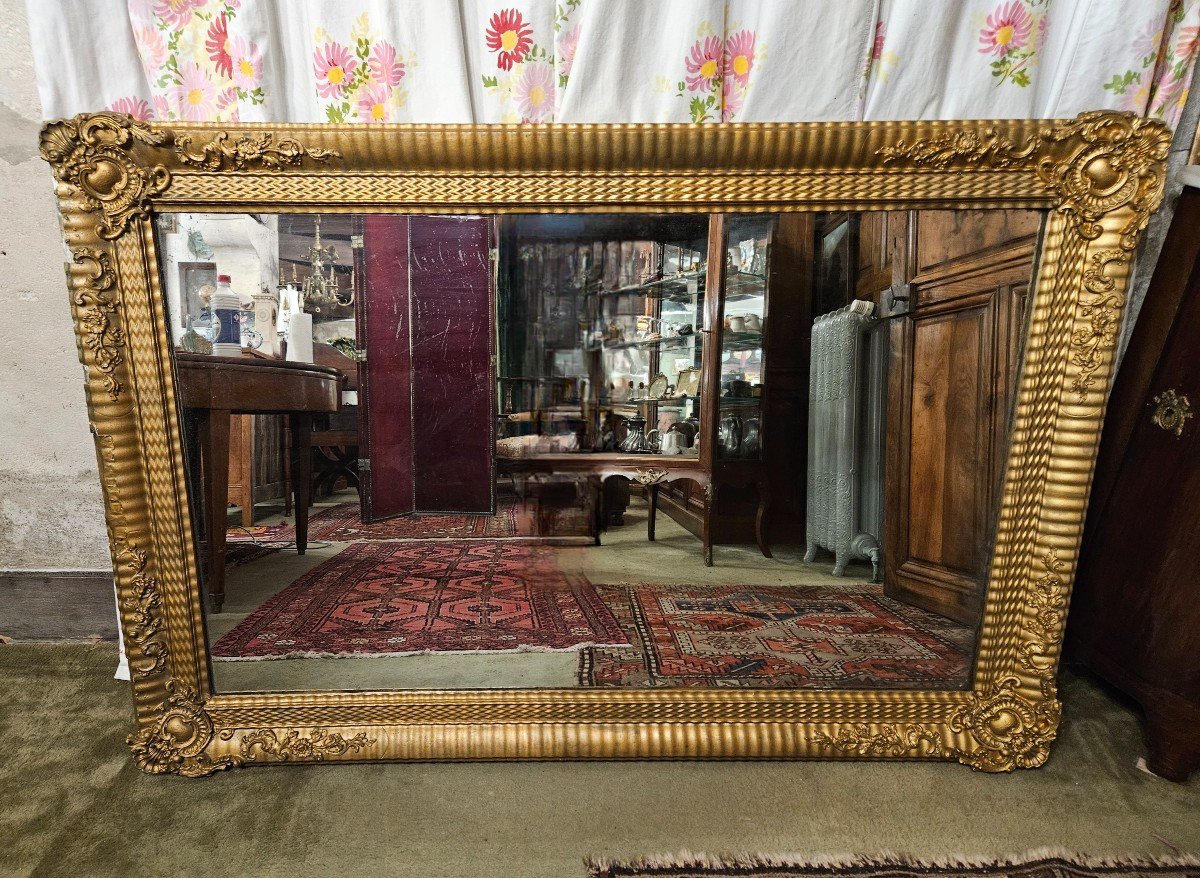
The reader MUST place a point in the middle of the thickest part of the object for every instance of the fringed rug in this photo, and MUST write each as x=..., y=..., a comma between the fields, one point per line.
x=810, y=637
x=1033, y=866
x=237, y=554
x=393, y=598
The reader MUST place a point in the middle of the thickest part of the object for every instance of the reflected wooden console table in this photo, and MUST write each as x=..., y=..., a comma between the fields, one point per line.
x=213, y=388
x=651, y=471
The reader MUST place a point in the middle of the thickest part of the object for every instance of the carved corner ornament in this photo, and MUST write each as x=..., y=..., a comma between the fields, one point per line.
x=1012, y=730
x=1111, y=162
x=97, y=317
x=95, y=154
x=649, y=475
x=175, y=742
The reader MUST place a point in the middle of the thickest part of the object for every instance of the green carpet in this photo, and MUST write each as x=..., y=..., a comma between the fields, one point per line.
x=72, y=804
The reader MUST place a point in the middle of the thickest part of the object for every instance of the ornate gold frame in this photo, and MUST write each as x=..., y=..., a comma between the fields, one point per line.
x=1101, y=175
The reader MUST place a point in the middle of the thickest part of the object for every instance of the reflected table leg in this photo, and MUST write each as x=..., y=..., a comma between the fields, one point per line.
x=213, y=439
x=301, y=434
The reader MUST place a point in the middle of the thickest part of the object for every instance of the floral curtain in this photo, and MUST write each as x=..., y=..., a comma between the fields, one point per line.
x=612, y=60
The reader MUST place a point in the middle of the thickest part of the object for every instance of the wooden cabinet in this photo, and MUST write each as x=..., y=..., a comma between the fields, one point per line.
x=1135, y=612
x=954, y=356
x=257, y=463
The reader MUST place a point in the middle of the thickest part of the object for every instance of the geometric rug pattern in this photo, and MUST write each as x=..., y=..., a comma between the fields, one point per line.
x=1034, y=865
x=394, y=598
x=342, y=523
x=810, y=637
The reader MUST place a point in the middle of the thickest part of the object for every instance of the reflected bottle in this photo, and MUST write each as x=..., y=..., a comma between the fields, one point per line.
x=226, y=308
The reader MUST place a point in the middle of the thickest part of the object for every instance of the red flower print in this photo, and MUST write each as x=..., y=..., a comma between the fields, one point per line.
x=217, y=45
x=333, y=65
x=508, y=34
x=384, y=67
x=739, y=56
x=1007, y=29
x=704, y=64
x=133, y=106
x=880, y=39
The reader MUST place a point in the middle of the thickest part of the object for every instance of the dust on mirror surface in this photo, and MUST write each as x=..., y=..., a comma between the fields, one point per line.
x=595, y=451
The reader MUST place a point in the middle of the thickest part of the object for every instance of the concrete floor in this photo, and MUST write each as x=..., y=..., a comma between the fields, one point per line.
x=626, y=556
x=74, y=805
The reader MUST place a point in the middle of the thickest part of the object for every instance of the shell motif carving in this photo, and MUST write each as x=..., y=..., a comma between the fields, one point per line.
x=175, y=743
x=1014, y=731
x=94, y=153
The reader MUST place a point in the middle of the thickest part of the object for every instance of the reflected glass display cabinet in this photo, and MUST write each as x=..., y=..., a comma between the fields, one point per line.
x=638, y=348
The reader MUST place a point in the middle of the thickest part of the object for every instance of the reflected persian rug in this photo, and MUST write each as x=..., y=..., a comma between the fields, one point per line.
x=395, y=598
x=1030, y=866
x=740, y=636
x=342, y=524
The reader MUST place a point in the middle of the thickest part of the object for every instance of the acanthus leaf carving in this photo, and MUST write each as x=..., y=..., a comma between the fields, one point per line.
x=861, y=739
x=97, y=324
x=175, y=742
x=247, y=151
x=143, y=607
x=316, y=746
x=649, y=475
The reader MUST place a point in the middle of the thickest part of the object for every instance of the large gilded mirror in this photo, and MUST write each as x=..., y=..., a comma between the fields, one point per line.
x=438, y=442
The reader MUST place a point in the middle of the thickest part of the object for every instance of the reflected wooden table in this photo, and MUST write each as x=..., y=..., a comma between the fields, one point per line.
x=213, y=388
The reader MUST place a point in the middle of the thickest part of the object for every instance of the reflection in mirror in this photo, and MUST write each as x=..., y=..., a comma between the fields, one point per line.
x=727, y=451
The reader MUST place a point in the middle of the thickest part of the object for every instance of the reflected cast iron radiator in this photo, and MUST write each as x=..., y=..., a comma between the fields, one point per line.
x=837, y=403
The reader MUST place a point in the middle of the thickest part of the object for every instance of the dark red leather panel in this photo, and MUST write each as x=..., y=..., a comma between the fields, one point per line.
x=389, y=365
x=451, y=354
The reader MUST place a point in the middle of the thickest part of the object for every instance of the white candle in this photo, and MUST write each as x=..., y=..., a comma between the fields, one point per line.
x=300, y=338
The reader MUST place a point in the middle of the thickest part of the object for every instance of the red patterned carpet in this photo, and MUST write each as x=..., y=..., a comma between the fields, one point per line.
x=389, y=598
x=342, y=523
x=808, y=637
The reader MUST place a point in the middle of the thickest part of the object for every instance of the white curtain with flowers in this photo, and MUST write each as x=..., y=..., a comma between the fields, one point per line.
x=612, y=60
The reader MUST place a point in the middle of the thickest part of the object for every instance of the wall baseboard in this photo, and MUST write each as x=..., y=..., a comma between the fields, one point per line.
x=57, y=605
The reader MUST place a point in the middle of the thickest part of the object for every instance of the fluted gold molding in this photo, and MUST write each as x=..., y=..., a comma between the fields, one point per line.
x=1100, y=175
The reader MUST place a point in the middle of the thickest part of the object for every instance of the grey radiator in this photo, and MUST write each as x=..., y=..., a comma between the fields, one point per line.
x=841, y=507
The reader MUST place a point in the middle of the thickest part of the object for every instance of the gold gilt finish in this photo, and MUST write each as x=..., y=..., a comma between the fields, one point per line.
x=1100, y=175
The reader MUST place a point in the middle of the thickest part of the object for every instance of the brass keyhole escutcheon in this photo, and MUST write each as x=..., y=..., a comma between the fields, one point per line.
x=1171, y=411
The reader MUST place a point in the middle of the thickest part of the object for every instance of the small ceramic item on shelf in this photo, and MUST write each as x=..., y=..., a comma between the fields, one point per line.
x=193, y=342
x=671, y=442
x=753, y=323
x=737, y=324
x=658, y=387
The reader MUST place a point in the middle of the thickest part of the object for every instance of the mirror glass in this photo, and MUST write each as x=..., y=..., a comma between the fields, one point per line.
x=597, y=451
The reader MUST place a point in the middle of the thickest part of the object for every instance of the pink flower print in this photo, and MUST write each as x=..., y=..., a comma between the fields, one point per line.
x=133, y=106
x=1043, y=30
x=703, y=64
x=226, y=97
x=384, y=67
x=162, y=109
x=535, y=92
x=739, y=56
x=732, y=95
x=247, y=64
x=509, y=35
x=333, y=65
x=176, y=13
x=1007, y=29
x=1168, y=92
x=1185, y=45
x=567, y=48
x=151, y=49
x=217, y=45
x=1147, y=42
x=880, y=39
x=195, y=95
x=374, y=103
